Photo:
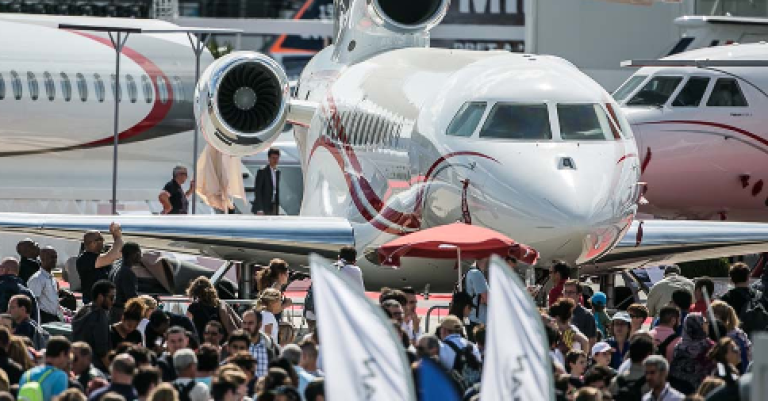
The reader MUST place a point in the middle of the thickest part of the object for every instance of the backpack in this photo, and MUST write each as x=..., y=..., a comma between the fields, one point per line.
x=32, y=390
x=459, y=298
x=184, y=389
x=662, y=350
x=755, y=317
x=40, y=337
x=309, y=302
x=467, y=370
x=629, y=390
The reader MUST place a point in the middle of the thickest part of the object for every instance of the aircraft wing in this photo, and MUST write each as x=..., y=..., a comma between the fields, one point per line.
x=674, y=241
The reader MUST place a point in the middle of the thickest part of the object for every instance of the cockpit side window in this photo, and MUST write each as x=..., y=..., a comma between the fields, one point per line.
x=583, y=122
x=517, y=121
x=692, y=92
x=466, y=120
x=656, y=92
x=727, y=93
x=628, y=87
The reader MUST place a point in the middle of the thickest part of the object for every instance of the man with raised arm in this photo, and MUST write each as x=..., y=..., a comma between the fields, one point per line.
x=92, y=264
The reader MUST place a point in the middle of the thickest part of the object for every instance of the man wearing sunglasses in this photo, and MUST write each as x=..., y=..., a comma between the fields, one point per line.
x=173, y=197
x=92, y=264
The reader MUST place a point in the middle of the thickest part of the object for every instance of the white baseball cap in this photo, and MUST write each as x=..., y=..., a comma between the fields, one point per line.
x=602, y=346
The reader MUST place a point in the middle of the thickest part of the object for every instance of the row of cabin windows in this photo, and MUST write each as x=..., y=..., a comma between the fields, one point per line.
x=81, y=81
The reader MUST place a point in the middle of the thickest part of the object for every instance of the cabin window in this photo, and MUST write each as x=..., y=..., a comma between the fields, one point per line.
x=628, y=87
x=517, y=121
x=98, y=86
x=16, y=85
x=162, y=89
x=466, y=120
x=692, y=92
x=656, y=92
x=133, y=92
x=178, y=87
x=727, y=93
x=2, y=87
x=116, y=90
x=82, y=86
x=583, y=122
x=50, y=86
x=147, y=88
x=34, y=89
x=66, y=87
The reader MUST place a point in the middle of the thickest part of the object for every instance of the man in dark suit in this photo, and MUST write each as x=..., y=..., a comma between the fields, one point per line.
x=267, y=187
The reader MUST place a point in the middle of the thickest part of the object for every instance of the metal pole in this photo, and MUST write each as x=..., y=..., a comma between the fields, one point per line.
x=118, y=45
x=198, y=45
x=458, y=266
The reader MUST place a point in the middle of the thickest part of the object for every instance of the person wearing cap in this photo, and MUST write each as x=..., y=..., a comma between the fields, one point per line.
x=620, y=325
x=185, y=363
x=451, y=330
x=661, y=292
x=602, y=320
x=601, y=354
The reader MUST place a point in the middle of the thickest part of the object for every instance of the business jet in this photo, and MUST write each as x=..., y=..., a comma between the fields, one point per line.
x=395, y=137
x=700, y=125
x=57, y=104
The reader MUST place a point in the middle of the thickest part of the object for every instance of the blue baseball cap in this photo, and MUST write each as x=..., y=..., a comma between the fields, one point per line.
x=599, y=298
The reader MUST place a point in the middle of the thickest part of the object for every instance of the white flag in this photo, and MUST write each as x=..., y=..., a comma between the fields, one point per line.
x=362, y=357
x=517, y=364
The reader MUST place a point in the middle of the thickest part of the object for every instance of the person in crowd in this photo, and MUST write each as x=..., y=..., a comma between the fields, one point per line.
x=52, y=376
x=185, y=363
x=411, y=320
x=428, y=346
x=122, y=371
x=601, y=354
x=477, y=287
x=570, y=337
x=683, y=300
x=726, y=314
x=19, y=307
x=29, y=264
x=8, y=365
x=620, y=325
x=315, y=390
x=71, y=394
x=273, y=276
x=172, y=197
x=626, y=383
x=165, y=392
x=602, y=320
x=728, y=354
x=588, y=394
x=91, y=322
x=176, y=339
x=709, y=385
x=229, y=386
x=207, y=362
x=451, y=329
x=247, y=364
x=702, y=284
x=11, y=284
x=661, y=292
x=92, y=264
x=127, y=329
x=582, y=318
x=142, y=355
x=479, y=334
x=150, y=305
x=741, y=294
x=213, y=333
x=270, y=304
x=267, y=186
x=82, y=364
x=576, y=362
x=146, y=379
x=559, y=273
x=656, y=372
x=45, y=288
x=19, y=353
x=159, y=323
x=6, y=319
x=665, y=335
x=125, y=279
x=347, y=265
x=239, y=341
x=307, y=368
x=599, y=377
x=262, y=347
x=689, y=362
x=276, y=377
x=205, y=305
x=394, y=311
x=637, y=314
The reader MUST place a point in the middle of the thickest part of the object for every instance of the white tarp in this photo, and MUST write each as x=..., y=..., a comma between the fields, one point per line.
x=362, y=357
x=219, y=179
x=517, y=365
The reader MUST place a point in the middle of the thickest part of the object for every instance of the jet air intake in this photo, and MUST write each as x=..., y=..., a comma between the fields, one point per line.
x=240, y=103
x=408, y=16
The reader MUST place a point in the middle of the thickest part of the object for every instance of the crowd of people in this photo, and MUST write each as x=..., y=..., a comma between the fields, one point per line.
x=124, y=346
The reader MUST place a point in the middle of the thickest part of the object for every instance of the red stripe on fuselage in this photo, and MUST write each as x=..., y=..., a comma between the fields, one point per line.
x=731, y=128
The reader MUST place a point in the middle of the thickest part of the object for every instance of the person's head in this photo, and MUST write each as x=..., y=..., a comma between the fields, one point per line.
x=103, y=294
x=93, y=241
x=682, y=299
x=229, y=386
x=252, y=321
x=725, y=351
x=185, y=363
x=142, y=355
x=165, y=392
x=726, y=314
x=207, y=359
x=308, y=353
x=640, y=346
x=9, y=265
x=6, y=320
x=71, y=394
x=559, y=271
x=292, y=353
x=704, y=283
x=20, y=307
x=411, y=299
x=28, y=248
x=739, y=273
x=131, y=254
x=451, y=325
x=48, y=258
x=276, y=274
x=122, y=369
x=270, y=300
x=18, y=351
x=572, y=290
x=390, y=293
x=671, y=270
x=82, y=356
x=694, y=328
x=575, y=362
x=709, y=384
x=482, y=264
x=348, y=254
x=159, y=322
x=601, y=353
x=150, y=305
x=176, y=339
x=146, y=379
x=637, y=313
x=180, y=174
x=276, y=377
x=201, y=290
x=656, y=370
x=588, y=394
x=214, y=333
x=599, y=376
x=57, y=352
x=315, y=390
x=669, y=316
x=246, y=362
x=132, y=314
x=599, y=300
x=394, y=310
x=479, y=334
x=273, y=155
x=562, y=310
x=239, y=340
x=5, y=337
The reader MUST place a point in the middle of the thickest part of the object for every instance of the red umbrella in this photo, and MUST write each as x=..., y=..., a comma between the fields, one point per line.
x=455, y=240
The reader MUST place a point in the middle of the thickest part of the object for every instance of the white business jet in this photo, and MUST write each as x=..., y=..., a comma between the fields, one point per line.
x=396, y=137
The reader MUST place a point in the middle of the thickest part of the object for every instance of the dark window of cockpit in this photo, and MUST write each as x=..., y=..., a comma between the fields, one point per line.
x=98, y=86
x=727, y=93
x=517, y=121
x=34, y=88
x=82, y=86
x=16, y=85
x=116, y=89
x=2, y=87
x=66, y=87
x=656, y=92
x=466, y=120
x=178, y=88
x=583, y=122
x=50, y=86
x=628, y=87
x=692, y=92
x=133, y=92
x=146, y=86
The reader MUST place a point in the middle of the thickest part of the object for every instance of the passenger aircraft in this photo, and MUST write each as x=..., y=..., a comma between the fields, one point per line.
x=702, y=133
x=395, y=137
x=56, y=107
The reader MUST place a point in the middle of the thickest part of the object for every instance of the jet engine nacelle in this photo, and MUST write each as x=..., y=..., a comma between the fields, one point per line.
x=407, y=16
x=241, y=103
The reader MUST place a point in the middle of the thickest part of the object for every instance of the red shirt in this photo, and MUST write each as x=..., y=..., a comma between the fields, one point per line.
x=556, y=292
x=699, y=307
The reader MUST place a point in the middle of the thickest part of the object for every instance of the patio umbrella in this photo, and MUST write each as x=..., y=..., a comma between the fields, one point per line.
x=455, y=240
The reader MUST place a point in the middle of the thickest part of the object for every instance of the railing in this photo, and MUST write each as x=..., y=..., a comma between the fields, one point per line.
x=440, y=316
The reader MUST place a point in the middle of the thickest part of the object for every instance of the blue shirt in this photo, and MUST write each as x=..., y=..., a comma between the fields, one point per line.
x=53, y=385
x=618, y=356
x=476, y=285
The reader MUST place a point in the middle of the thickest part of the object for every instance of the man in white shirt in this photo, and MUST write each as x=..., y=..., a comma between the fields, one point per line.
x=45, y=288
x=346, y=265
x=656, y=370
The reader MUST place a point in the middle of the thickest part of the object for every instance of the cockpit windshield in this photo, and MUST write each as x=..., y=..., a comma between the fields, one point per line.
x=518, y=122
x=628, y=87
x=466, y=120
x=583, y=122
x=656, y=92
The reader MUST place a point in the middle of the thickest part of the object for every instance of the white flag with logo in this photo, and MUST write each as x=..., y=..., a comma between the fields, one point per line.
x=517, y=364
x=362, y=357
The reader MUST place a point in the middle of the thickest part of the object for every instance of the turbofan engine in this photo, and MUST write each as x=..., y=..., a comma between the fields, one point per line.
x=408, y=16
x=241, y=103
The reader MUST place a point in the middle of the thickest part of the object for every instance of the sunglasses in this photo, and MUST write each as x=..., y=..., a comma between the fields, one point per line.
x=636, y=317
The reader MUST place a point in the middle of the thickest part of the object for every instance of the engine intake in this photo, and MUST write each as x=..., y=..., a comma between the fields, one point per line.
x=240, y=103
x=409, y=16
